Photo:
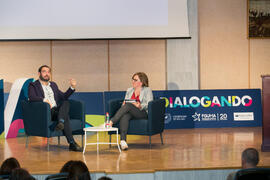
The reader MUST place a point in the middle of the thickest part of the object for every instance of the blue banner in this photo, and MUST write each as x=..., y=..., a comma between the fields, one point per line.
x=208, y=108
x=93, y=101
x=110, y=95
x=212, y=108
x=1, y=106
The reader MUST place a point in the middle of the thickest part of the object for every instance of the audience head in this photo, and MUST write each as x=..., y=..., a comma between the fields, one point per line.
x=20, y=174
x=105, y=178
x=65, y=168
x=77, y=170
x=142, y=77
x=8, y=165
x=250, y=158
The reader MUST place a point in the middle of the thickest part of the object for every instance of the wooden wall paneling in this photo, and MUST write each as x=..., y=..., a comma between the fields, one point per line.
x=21, y=59
x=130, y=56
x=85, y=61
x=259, y=61
x=223, y=44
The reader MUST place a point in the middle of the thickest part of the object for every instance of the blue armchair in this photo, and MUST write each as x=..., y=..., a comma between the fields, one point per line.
x=37, y=120
x=148, y=127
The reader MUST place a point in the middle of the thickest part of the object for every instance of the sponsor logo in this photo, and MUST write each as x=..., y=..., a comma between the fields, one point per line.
x=196, y=117
x=243, y=116
x=180, y=117
x=223, y=116
x=168, y=118
x=210, y=117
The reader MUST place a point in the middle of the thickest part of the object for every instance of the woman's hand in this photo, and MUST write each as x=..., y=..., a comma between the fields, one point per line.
x=137, y=104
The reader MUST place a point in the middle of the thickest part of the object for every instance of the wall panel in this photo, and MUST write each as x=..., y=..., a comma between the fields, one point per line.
x=259, y=61
x=85, y=61
x=224, y=62
x=130, y=56
x=22, y=59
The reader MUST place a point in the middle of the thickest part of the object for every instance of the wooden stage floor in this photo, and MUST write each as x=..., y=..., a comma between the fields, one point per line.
x=183, y=149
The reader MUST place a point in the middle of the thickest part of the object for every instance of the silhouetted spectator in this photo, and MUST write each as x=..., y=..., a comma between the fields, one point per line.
x=65, y=168
x=78, y=171
x=250, y=159
x=105, y=178
x=20, y=174
x=8, y=165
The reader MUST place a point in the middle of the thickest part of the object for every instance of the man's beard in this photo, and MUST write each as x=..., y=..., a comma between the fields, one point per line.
x=43, y=79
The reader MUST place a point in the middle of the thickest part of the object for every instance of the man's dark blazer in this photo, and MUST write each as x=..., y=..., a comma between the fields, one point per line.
x=36, y=93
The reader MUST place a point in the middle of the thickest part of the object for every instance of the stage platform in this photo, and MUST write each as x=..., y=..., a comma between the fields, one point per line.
x=183, y=149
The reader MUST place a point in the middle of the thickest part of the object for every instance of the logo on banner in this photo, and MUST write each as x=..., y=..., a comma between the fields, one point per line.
x=210, y=117
x=206, y=101
x=243, y=116
x=196, y=117
x=168, y=118
x=212, y=108
x=179, y=117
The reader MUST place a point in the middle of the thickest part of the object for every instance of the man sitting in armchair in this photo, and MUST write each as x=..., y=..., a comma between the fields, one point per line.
x=47, y=91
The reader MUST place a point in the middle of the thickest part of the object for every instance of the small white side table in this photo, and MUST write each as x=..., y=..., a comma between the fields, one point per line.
x=99, y=129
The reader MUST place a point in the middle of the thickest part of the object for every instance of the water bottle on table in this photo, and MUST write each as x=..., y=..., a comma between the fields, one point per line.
x=107, y=120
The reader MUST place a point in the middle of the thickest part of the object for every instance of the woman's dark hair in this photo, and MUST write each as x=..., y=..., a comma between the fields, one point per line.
x=66, y=166
x=78, y=171
x=8, y=165
x=20, y=174
x=143, y=78
x=40, y=68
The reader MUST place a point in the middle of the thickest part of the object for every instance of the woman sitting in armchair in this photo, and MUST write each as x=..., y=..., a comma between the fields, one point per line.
x=134, y=106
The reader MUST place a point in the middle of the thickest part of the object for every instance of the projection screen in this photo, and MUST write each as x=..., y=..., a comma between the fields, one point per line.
x=93, y=19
